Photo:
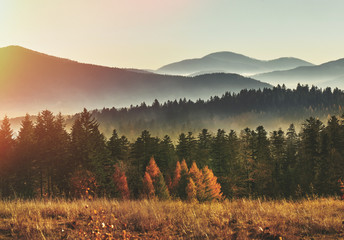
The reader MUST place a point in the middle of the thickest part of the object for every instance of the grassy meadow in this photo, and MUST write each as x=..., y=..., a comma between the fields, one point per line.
x=110, y=219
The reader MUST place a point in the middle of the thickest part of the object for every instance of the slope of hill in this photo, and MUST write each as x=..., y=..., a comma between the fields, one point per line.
x=324, y=75
x=230, y=62
x=31, y=81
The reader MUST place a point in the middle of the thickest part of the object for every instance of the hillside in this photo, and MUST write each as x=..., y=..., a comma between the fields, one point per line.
x=230, y=62
x=324, y=75
x=31, y=81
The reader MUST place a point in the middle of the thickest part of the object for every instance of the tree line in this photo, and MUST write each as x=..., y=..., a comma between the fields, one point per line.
x=264, y=106
x=45, y=160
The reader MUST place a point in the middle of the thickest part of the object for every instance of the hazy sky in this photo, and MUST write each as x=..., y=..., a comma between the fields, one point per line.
x=152, y=33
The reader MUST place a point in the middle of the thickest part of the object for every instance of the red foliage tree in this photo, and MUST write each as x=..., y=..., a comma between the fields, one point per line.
x=121, y=184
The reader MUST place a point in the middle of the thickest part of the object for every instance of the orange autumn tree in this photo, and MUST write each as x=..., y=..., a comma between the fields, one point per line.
x=152, y=169
x=121, y=184
x=212, y=187
x=148, y=188
x=153, y=172
x=191, y=191
x=176, y=178
x=196, y=175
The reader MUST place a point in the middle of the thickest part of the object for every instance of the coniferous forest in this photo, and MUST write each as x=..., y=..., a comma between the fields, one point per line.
x=269, y=107
x=46, y=160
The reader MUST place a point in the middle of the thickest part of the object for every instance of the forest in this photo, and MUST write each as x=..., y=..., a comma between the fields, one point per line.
x=271, y=107
x=46, y=161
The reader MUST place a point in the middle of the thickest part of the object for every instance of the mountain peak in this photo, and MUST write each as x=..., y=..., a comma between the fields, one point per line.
x=225, y=54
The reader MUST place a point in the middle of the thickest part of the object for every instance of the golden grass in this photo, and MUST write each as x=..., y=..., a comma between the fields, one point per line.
x=237, y=219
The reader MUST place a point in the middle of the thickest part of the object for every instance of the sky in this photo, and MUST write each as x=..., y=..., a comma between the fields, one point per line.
x=148, y=34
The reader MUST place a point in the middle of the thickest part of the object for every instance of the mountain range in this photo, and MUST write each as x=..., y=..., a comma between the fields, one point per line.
x=31, y=81
x=330, y=74
x=230, y=62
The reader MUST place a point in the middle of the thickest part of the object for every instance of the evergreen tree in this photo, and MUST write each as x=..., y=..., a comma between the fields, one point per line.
x=204, y=146
x=280, y=166
x=309, y=152
x=25, y=160
x=6, y=164
x=89, y=151
x=220, y=156
x=166, y=157
x=118, y=147
x=161, y=190
x=263, y=166
x=289, y=169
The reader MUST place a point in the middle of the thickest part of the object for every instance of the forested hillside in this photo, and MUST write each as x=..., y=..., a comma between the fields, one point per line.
x=272, y=108
x=35, y=81
x=46, y=161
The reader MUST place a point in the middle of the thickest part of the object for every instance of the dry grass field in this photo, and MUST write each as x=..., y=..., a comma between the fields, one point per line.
x=109, y=219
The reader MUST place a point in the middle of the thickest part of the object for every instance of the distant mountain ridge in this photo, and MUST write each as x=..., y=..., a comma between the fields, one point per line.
x=230, y=62
x=329, y=74
x=31, y=81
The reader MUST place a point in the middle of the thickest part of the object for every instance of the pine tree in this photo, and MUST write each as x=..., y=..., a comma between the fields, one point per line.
x=204, y=146
x=184, y=175
x=161, y=190
x=45, y=140
x=6, y=151
x=263, y=166
x=141, y=151
x=220, y=157
x=118, y=147
x=24, y=158
x=89, y=151
x=290, y=176
x=166, y=156
x=309, y=152
x=280, y=166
